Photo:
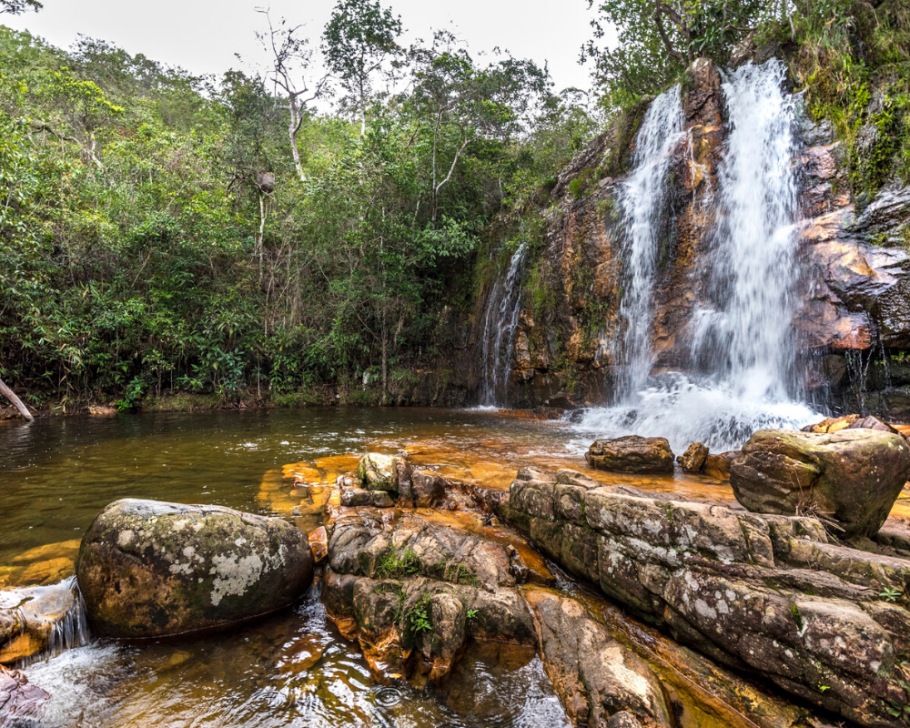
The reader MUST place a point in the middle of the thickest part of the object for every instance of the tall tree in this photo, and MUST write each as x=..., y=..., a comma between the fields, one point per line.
x=360, y=37
x=291, y=58
x=470, y=103
x=658, y=38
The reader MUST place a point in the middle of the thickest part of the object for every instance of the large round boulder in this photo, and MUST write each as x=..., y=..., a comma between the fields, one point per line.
x=851, y=476
x=150, y=569
x=632, y=454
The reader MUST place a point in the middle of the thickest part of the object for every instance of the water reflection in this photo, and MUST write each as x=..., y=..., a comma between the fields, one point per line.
x=292, y=670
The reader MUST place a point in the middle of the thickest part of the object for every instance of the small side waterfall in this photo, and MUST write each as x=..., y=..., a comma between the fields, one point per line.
x=500, y=320
x=643, y=198
x=742, y=345
x=72, y=630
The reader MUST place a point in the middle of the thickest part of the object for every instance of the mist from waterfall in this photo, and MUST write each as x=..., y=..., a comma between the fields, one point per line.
x=742, y=345
x=643, y=201
x=500, y=321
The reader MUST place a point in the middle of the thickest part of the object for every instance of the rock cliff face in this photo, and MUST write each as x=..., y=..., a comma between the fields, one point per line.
x=852, y=317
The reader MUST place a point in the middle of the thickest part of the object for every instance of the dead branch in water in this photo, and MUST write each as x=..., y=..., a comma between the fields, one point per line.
x=11, y=396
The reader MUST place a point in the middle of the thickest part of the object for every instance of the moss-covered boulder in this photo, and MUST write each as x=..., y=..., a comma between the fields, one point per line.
x=851, y=476
x=150, y=569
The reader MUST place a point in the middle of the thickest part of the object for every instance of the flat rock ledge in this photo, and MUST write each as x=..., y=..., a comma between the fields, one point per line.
x=768, y=594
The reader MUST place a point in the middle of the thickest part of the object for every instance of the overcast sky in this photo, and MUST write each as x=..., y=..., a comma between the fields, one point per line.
x=202, y=36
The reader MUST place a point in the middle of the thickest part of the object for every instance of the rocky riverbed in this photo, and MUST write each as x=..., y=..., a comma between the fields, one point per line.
x=427, y=574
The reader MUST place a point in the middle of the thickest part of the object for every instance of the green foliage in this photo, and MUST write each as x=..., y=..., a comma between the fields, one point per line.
x=417, y=618
x=657, y=39
x=16, y=7
x=142, y=260
x=890, y=595
x=393, y=564
x=855, y=64
x=360, y=36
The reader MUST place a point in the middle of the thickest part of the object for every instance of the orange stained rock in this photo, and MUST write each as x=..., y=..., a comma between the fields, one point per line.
x=319, y=544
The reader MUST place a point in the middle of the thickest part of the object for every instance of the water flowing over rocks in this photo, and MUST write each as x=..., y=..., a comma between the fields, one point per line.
x=768, y=594
x=631, y=454
x=850, y=476
x=150, y=569
x=39, y=620
x=755, y=261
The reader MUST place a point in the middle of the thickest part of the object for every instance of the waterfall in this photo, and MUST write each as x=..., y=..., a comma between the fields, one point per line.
x=643, y=201
x=742, y=346
x=747, y=339
x=500, y=320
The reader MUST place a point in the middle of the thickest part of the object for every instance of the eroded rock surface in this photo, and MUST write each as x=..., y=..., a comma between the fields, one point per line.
x=149, y=569
x=600, y=682
x=767, y=594
x=631, y=454
x=414, y=592
x=693, y=459
x=851, y=476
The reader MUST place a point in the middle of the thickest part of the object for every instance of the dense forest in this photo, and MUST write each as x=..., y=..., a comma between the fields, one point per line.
x=288, y=237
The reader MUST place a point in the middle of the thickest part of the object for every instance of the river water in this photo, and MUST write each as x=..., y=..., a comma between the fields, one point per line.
x=293, y=669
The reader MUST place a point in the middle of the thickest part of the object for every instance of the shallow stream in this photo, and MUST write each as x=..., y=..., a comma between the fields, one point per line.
x=293, y=669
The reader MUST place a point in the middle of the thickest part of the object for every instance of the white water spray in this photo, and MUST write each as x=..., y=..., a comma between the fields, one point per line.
x=747, y=339
x=742, y=345
x=500, y=320
x=643, y=198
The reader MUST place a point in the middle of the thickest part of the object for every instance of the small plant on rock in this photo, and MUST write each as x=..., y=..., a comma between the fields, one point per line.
x=890, y=595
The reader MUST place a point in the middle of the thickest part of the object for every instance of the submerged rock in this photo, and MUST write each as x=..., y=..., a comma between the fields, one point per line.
x=631, y=454
x=693, y=459
x=851, y=476
x=150, y=569
x=19, y=700
x=764, y=593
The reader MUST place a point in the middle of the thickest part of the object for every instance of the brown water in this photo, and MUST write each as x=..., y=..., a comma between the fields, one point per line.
x=293, y=669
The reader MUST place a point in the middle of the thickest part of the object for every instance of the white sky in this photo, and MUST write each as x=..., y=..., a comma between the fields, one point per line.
x=202, y=36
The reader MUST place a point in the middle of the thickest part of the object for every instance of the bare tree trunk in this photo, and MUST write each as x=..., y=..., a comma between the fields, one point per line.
x=293, y=128
x=11, y=396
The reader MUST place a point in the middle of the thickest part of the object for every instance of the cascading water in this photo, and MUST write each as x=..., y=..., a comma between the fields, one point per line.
x=642, y=199
x=747, y=337
x=500, y=320
x=742, y=346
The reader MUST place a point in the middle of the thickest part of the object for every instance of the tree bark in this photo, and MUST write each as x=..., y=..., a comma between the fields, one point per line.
x=11, y=396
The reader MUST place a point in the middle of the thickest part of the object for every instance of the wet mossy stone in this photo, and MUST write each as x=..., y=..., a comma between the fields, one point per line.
x=851, y=476
x=153, y=569
x=378, y=472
